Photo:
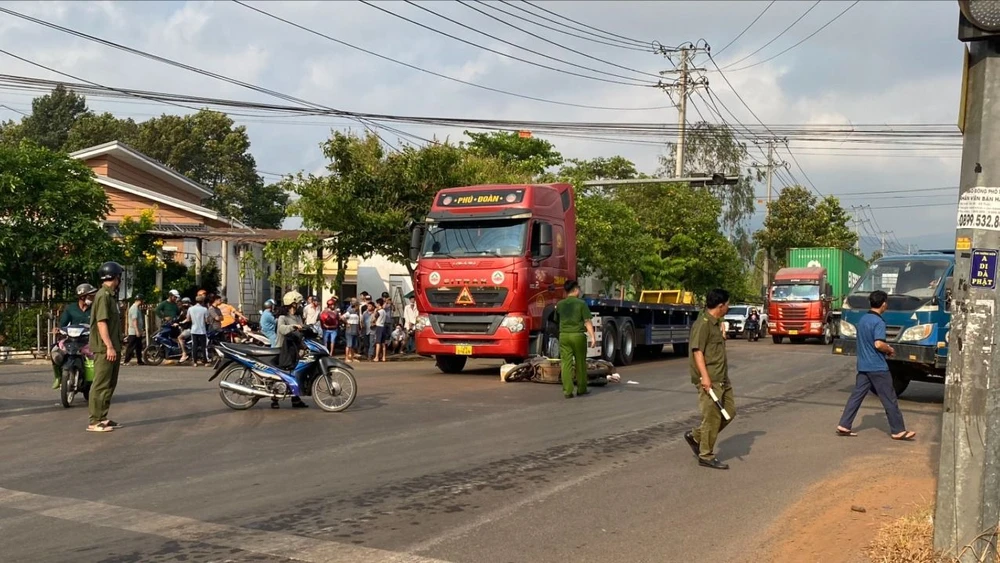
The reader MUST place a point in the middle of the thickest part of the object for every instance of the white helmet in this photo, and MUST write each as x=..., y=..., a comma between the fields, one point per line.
x=292, y=297
x=175, y=293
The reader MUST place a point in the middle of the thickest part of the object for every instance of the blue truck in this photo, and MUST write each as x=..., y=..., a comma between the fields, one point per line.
x=918, y=317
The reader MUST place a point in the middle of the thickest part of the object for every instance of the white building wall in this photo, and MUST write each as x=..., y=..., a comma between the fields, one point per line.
x=378, y=274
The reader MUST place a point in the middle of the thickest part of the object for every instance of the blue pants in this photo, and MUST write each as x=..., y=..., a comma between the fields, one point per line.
x=330, y=337
x=879, y=382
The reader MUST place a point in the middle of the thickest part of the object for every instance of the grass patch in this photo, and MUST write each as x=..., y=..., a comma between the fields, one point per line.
x=909, y=539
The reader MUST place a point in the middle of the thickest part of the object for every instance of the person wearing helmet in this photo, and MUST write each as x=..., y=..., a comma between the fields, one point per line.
x=268, y=323
x=106, y=343
x=77, y=313
x=289, y=321
x=168, y=310
x=182, y=328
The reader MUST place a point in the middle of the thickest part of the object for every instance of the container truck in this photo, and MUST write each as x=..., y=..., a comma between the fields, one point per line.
x=491, y=262
x=805, y=298
x=917, y=320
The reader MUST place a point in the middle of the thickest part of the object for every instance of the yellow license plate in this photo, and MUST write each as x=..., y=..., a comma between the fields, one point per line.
x=463, y=350
x=793, y=332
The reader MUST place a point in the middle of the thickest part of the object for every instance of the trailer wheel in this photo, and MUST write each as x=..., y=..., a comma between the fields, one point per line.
x=609, y=340
x=626, y=346
x=451, y=364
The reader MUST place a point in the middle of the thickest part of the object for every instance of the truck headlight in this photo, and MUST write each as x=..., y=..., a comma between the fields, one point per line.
x=847, y=330
x=915, y=333
x=513, y=323
x=422, y=322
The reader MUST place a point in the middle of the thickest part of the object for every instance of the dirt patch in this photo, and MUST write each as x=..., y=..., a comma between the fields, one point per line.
x=836, y=519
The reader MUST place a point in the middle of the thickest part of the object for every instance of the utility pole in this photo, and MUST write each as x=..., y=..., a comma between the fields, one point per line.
x=684, y=86
x=967, y=511
x=771, y=165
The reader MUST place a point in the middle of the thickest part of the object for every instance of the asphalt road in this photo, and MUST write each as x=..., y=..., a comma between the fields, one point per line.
x=427, y=467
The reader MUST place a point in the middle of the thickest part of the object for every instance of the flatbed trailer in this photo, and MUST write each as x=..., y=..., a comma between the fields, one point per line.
x=631, y=328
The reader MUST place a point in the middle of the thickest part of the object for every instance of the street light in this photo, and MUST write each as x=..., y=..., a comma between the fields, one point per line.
x=978, y=19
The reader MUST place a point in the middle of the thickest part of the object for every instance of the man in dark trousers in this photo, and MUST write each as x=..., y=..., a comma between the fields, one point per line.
x=106, y=344
x=710, y=371
x=574, y=318
x=873, y=372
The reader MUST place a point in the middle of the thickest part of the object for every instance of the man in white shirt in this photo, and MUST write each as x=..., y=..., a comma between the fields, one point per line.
x=410, y=315
x=310, y=314
x=352, y=334
x=198, y=315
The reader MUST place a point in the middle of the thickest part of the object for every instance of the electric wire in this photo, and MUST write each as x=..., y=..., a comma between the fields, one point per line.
x=776, y=37
x=609, y=33
x=747, y=28
x=593, y=38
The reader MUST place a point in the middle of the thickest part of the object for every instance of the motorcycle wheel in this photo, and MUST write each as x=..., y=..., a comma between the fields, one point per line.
x=153, y=355
x=237, y=401
x=334, y=390
x=67, y=389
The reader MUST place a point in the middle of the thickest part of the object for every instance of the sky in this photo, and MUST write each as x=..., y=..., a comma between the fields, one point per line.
x=880, y=62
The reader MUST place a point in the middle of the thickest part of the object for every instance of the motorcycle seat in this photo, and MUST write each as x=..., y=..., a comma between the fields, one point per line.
x=249, y=350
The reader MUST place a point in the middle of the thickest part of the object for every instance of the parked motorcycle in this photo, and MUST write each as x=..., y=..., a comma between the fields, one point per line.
x=251, y=334
x=164, y=345
x=74, y=348
x=249, y=373
x=752, y=330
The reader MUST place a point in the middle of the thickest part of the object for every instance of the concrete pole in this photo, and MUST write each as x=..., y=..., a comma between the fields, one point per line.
x=225, y=269
x=767, y=213
x=968, y=496
x=197, y=261
x=682, y=114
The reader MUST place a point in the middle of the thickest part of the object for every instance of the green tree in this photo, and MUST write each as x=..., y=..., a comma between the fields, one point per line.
x=713, y=149
x=91, y=130
x=798, y=220
x=51, y=230
x=10, y=133
x=52, y=117
x=531, y=154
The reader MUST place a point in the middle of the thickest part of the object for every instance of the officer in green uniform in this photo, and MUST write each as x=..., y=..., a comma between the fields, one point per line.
x=73, y=314
x=574, y=317
x=106, y=344
x=710, y=370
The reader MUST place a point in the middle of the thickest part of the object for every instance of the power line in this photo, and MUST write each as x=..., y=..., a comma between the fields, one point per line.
x=593, y=38
x=561, y=46
x=747, y=28
x=609, y=33
x=835, y=18
x=13, y=110
x=438, y=74
x=506, y=55
x=776, y=37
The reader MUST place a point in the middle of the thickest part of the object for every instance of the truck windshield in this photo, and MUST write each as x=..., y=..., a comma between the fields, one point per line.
x=918, y=279
x=502, y=237
x=737, y=312
x=795, y=292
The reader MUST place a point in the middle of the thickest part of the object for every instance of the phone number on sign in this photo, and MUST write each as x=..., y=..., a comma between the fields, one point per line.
x=979, y=220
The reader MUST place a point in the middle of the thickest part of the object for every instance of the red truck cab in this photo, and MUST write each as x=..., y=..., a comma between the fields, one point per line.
x=491, y=264
x=800, y=306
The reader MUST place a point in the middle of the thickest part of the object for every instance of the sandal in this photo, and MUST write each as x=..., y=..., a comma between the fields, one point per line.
x=99, y=427
x=846, y=433
x=905, y=436
x=111, y=424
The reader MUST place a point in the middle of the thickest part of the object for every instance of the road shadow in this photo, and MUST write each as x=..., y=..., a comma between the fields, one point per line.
x=738, y=446
x=368, y=402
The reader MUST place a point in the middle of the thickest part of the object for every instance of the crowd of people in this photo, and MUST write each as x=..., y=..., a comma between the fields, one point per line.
x=192, y=320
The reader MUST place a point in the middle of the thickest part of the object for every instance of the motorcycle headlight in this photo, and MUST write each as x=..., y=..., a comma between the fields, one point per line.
x=513, y=323
x=422, y=322
x=74, y=331
x=848, y=330
x=916, y=333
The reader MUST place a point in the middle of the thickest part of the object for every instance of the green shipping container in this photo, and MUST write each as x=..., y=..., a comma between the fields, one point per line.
x=843, y=269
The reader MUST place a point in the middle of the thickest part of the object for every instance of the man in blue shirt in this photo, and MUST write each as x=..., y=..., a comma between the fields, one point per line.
x=873, y=372
x=269, y=324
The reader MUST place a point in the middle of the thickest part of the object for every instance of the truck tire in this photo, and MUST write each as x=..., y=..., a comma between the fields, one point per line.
x=827, y=338
x=626, y=342
x=681, y=348
x=451, y=364
x=776, y=338
x=901, y=375
x=609, y=340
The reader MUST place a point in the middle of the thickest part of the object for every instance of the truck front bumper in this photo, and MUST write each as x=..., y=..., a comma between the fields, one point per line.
x=502, y=344
x=924, y=355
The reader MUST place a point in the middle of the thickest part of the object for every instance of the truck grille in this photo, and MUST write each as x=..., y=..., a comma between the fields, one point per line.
x=893, y=332
x=484, y=297
x=465, y=324
x=793, y=314
x=795, y=326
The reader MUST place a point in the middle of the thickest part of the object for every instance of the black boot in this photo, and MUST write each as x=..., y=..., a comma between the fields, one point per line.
x=298, y=403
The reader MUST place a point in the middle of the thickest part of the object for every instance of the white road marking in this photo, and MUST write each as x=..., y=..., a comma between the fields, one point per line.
x=290, y=546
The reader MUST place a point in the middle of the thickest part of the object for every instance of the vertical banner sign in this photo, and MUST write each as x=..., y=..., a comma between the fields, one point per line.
x=983, y=270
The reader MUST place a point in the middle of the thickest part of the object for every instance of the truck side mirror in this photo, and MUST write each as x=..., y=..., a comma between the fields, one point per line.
x=416, y=240
x=541, y=247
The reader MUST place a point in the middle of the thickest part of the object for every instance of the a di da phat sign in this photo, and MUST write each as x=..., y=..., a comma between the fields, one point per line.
x=984, y=269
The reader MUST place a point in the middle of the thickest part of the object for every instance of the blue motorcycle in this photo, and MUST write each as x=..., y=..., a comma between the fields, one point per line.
x=249, y=373
x=164, y=344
